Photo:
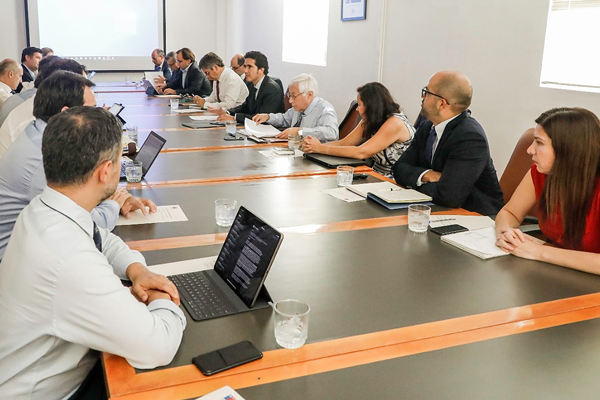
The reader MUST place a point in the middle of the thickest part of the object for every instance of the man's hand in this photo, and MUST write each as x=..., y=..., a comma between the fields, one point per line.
x=431, y=176
x=216, y=111
x=311, y=145
x=169, y=91
x=199, y=101
x=261, y=118
x=147, y=286
x=137, y=203
x=225, y=117
x=120, y=196
x=287, y=132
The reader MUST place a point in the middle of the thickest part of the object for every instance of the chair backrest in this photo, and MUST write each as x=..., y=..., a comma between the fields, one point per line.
x=520, y=162
x=286, y=100
x=278, y=81
x=350, y=121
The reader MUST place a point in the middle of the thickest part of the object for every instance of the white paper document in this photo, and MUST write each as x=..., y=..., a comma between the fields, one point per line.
x=225, y=393
x=168, y=96
x=344, y=194
x=162, y=214
x=480, y=242
x=364, y=188
x=186, y=110
x=260, y=130
x=204, y=117
x=273, y=154
x=471, y=222
x=184, y=267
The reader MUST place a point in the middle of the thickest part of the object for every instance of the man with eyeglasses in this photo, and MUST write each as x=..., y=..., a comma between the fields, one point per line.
x=229, y=90
x=192, y=80
x=237, y=65
x=449, y=158
x=161, y=82
x=313, y=115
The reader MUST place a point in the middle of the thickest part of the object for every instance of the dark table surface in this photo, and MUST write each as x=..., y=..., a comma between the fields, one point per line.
x=197, y=138
x=556, y=363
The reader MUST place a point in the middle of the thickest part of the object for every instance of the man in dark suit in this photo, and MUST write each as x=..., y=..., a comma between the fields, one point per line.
x=192, y=80
x=160, y=64
x=449, y=158
x=30, y=61
x=265, y=94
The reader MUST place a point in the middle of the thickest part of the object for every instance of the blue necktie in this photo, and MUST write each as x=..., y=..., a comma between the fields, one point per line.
x=429, y=145
x=97, y=238
x=297, y=124
x=157, y=67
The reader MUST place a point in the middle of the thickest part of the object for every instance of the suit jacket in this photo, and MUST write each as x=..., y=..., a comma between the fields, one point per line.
x=468, y=180
x=27, y=77
x=195, y=82
x=164, y=68
x=268, y=100
x=175, y=75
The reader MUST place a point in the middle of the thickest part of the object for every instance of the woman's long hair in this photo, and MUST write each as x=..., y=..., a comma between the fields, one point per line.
x=379, y=106
x=571, y=182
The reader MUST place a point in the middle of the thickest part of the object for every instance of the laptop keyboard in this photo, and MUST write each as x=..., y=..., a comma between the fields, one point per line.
x=200, y=298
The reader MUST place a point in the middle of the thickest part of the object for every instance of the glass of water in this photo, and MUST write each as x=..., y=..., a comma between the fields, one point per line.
x=294, y=141
x=132, y=132
x=291, y=323
x=231, y=128
x=225, y=212
x=418, y=217
x=344, y=175
x=133, y=171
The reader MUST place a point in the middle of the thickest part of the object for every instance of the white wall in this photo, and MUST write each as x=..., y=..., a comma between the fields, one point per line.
x=12, y=29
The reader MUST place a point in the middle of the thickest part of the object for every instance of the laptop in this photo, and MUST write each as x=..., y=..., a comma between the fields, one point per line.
x=147, y=154
x=333, y=161
x=236, y=284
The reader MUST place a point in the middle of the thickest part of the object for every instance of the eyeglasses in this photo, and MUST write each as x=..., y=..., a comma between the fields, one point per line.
x=293, y=96
x=425, y=92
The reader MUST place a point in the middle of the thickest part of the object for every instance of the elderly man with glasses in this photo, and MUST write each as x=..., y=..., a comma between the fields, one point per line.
x=311, y=114
x=449, y=158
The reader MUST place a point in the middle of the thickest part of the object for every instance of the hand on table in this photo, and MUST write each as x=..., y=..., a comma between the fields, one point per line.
x=137, y=203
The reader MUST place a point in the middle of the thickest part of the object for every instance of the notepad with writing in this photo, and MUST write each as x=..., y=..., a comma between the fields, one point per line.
x=479, y=242
x=389, y=193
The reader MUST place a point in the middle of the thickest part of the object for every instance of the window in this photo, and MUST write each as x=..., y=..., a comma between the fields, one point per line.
x=305, y=26
x=571, y=57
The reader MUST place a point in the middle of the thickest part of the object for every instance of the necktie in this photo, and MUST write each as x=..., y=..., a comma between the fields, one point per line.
x=429, y=145
x=157, y=68
x=97, y=238
x=297, y=124
x=218, y=97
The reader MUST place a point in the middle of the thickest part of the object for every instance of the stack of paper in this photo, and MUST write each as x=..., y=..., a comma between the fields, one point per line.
x=260, y=130
x=480, y=242
x=203, y=117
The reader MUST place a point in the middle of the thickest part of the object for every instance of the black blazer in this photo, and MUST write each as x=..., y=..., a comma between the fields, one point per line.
x=166, y=71
x=468, y=180
x=268, y=100
x=27, y=77
x=195, y=82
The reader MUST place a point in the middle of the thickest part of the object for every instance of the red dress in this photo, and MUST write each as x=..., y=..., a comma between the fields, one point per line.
x=554, y=230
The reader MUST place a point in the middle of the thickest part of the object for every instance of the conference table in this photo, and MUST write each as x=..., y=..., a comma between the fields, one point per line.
x=393, y=313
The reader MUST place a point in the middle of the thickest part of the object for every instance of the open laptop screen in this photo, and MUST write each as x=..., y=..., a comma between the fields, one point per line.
x=149, y=151
x=247, y=255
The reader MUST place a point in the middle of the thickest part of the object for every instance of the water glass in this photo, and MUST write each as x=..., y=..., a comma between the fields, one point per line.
x=132, y=132
x=174, y=104
x=418, y=217
x=344, y=175
x=291, y=323
x=225, y=212
x=294, y=141
x=133, y=171
x=231, y=128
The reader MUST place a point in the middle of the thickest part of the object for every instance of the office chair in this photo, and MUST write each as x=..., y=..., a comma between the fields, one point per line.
x=350, y=121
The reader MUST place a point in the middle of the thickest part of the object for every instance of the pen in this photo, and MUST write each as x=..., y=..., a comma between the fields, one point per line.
x=444, y=219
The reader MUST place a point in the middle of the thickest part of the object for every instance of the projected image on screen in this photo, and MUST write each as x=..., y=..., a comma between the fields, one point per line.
x=106, y=35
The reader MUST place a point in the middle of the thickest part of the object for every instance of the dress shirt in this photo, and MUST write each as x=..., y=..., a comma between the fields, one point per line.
x=62, y=301
x=14, y=101
x=15, y=124
x=22, y=178
x=232, y=91
x=5, y=93
x=319, y=120
x=439, y=131
x=257, y=86
x=184, y=75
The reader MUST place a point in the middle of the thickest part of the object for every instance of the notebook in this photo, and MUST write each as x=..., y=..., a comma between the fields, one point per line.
x=480, y=242
x=236, y=284
x=147, y=154
x=333, y=161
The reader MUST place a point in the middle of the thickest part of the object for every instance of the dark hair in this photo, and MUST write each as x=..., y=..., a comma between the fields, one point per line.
x=29, y=51
x=61, y=89
x=241, y=60
x=259, y=59
x=170, y=54
x=570, y=184
x=187, y=54
x=46, y=51
x=379, y=106
x=54, y=64
x=209, y=60
x=77, y=141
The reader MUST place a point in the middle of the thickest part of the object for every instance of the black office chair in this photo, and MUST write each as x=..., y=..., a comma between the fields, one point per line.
x=350, y=121
x=278, y=82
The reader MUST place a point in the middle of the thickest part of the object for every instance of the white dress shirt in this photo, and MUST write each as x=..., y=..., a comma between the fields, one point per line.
x=61, y=299
x=5, y=93
x=232, y=91
x=15, y=124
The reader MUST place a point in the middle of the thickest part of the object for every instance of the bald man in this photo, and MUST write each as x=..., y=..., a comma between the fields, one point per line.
x=237, y=65
x=449, y=158
x=10, y=77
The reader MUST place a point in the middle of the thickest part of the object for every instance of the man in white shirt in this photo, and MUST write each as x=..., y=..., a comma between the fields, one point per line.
x=229, y=90
x=10, y=77
x=61, y=294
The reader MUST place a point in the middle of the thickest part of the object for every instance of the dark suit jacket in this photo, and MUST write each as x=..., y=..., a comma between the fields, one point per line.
x=462, y=155
x=268, y=100
x=166, y=71
x=175, y=75
x=27, y=77
x=195, y=82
